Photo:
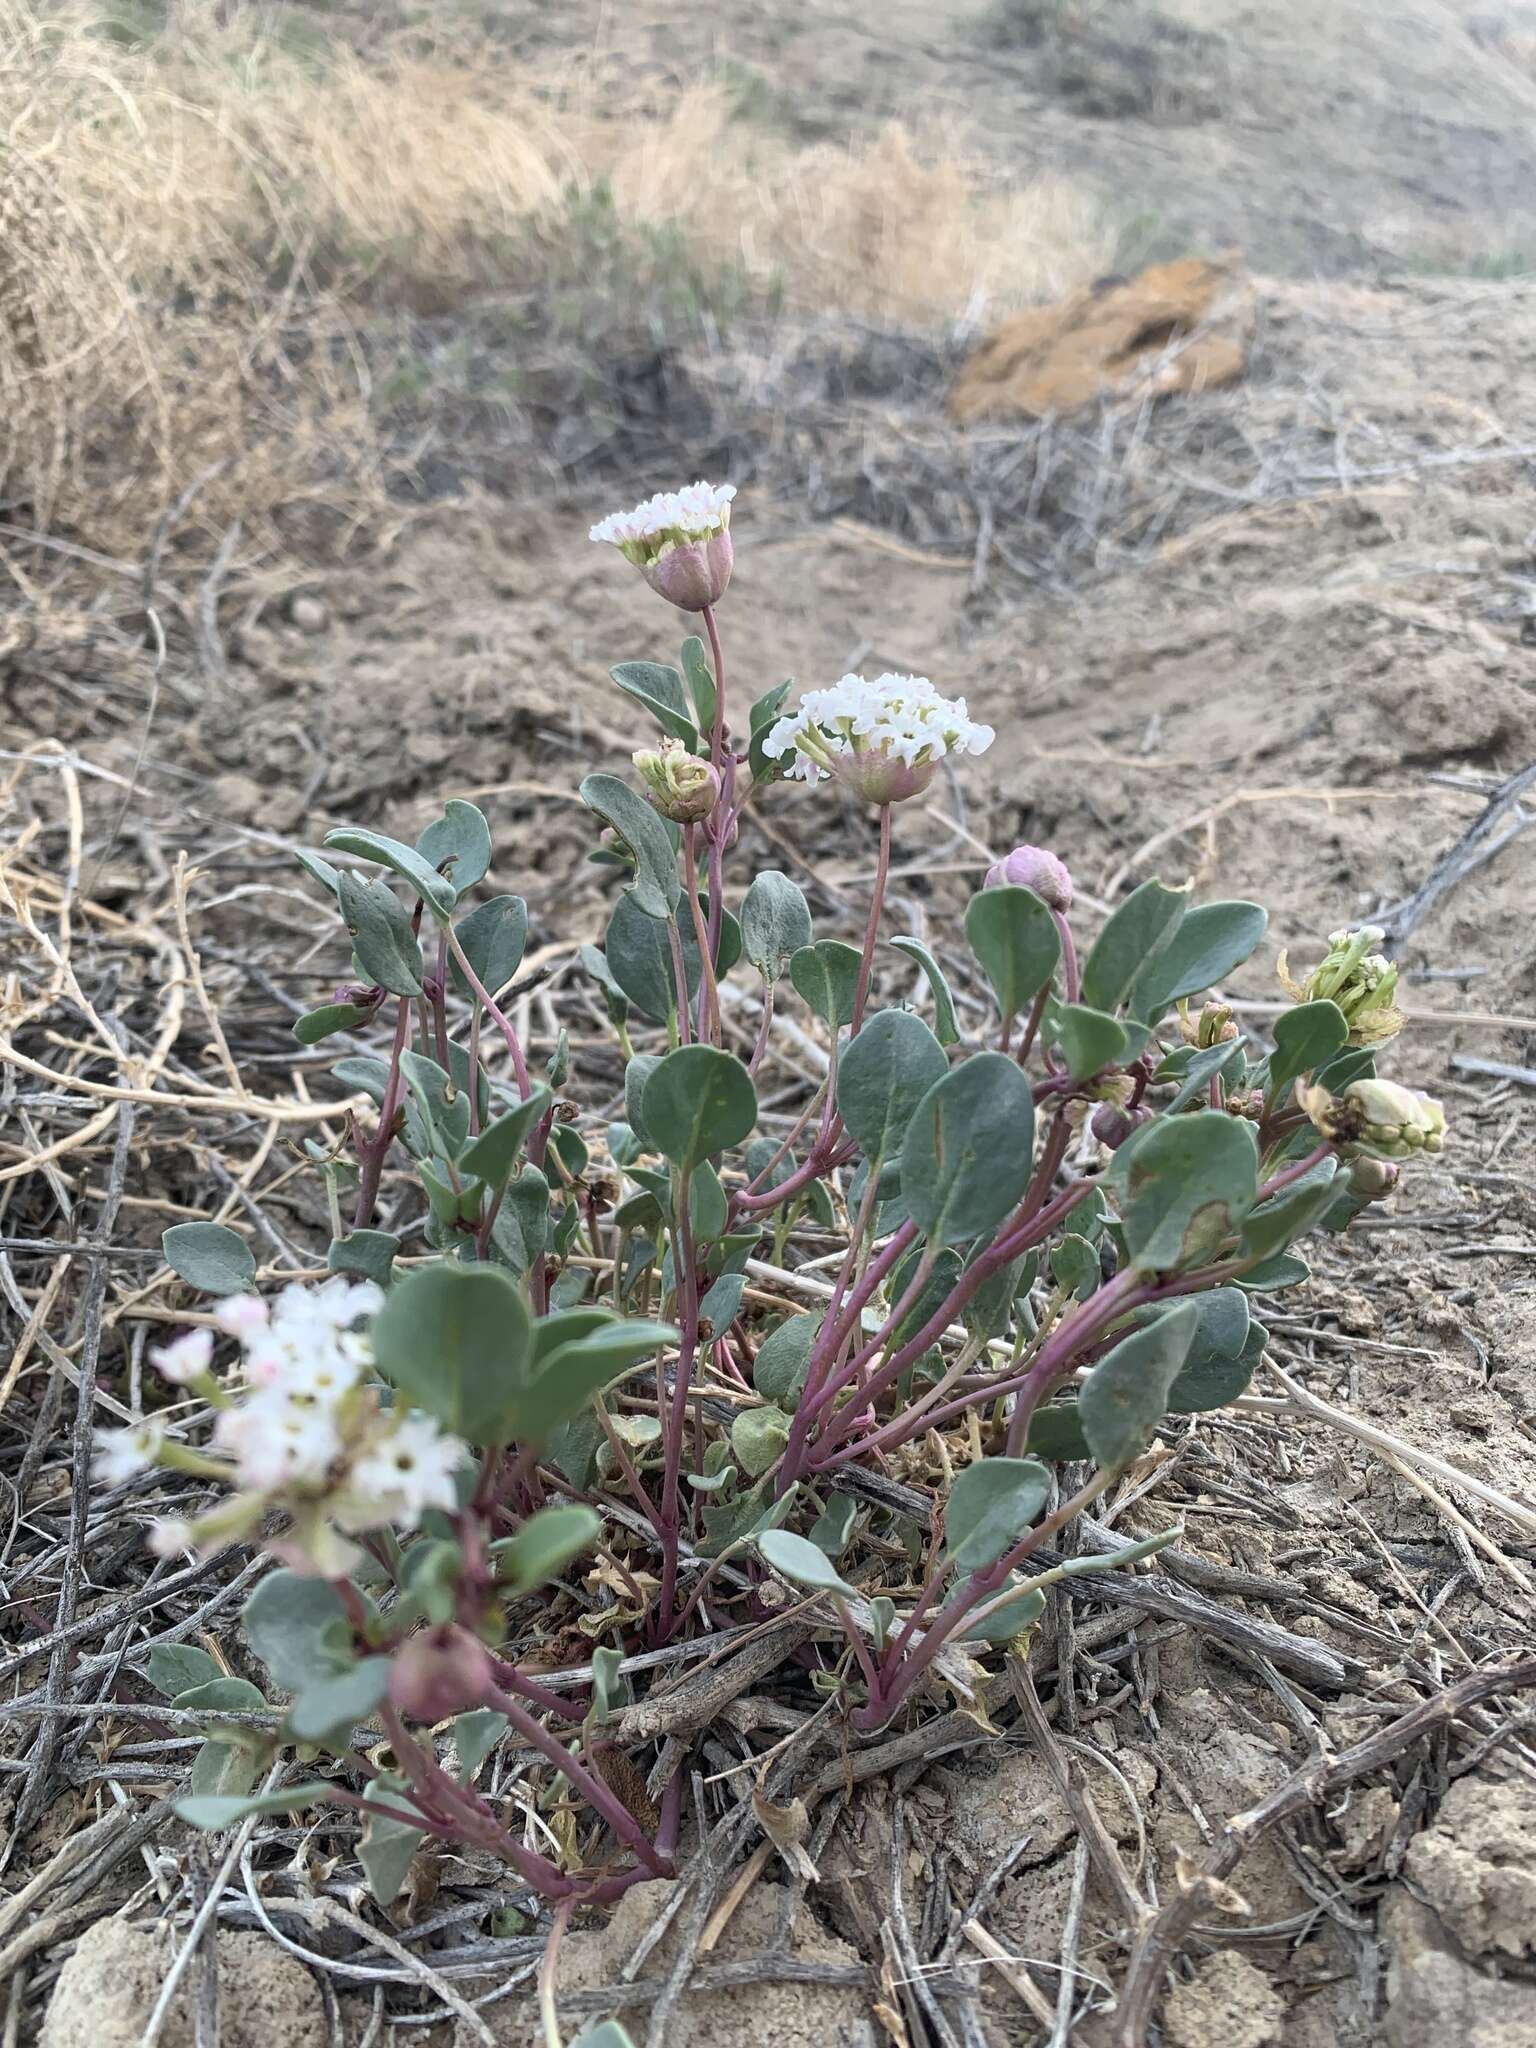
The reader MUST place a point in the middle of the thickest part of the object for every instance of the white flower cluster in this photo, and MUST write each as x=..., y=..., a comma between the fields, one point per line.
x=901, y=718
x=670, y=517
x=307, y=1433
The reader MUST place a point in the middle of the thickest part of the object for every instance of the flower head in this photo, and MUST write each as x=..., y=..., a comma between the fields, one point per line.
x=1033, y=867
x=186, y=1360
x=1361, y=982
x=306, y=1434
x=884, y=738
x=680, y=541
x=681, y=785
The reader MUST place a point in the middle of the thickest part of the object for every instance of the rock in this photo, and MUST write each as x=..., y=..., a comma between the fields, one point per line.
x=786, y=2014
x=1435, y=1997
x=1112, y=340
x=1476, y=1866
x=1365, y=1827
x=309, y=614
x=108, y=1987
x=1228, y=2001
x=241, y=800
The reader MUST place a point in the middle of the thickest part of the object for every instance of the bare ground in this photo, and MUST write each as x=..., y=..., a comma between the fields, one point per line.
x=1275, y=639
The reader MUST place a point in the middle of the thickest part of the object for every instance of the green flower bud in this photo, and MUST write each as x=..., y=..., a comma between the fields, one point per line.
x=1211, y=1025
x=682, y=787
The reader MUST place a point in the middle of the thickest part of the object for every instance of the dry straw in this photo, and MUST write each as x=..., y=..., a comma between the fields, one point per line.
x=205, y=228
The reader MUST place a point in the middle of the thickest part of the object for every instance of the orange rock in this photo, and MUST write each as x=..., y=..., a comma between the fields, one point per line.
x=1181, y=326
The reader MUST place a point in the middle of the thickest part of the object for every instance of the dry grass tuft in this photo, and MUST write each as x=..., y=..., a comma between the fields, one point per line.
x=200, y=225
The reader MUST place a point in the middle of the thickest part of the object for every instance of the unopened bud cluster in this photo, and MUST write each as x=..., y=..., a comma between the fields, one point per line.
x=1033, y=867
x=681, y=785
x=1380, y=1119
x=1359, y=980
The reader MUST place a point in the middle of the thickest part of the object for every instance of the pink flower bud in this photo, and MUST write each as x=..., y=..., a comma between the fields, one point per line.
x=1373, y=1179
x=1110, y=1125
x=1032, y=867
x=440, y=1672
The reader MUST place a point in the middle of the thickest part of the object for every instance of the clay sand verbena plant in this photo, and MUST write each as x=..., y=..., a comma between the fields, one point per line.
x=1047, y=1236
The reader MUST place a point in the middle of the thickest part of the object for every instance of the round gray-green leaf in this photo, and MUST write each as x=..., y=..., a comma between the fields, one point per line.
x=1187, y=1182
x=1209, y=943
x=1014, y=936
x=759, y=1437
x=493, y=937
x=946, y=1030
x=779, y=1369
x=209, y=1257
x=992, y=1503
x=382, y=939
x=1088, y=1040
x=969, y=1152
x=405, y=861
x=298, y=1627
x=775, y=923
x=1304, y=1038
x=654, y=885
x=885, y=1073
x=1125, y=1396
x=1009, y=1620
x=328, y=1705
x=826, y=976
x=458, y=844
x=214, y=1813
x=1136, y=933
x=545, y=1545
x=457, y=1339
x=659, y=687
x=328, y=1019
x=696, y=1101
x=802, y=1563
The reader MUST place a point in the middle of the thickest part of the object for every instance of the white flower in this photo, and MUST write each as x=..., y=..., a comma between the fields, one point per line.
x=403, y=1473
x=122, y=1454
x=240, y=1315
x=884, y=738
x=187, y=1359
x=693, y=513
x=275, y=1441
x=170, y=1537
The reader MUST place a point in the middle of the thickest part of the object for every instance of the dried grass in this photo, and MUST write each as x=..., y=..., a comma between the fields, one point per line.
x=198, y=224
